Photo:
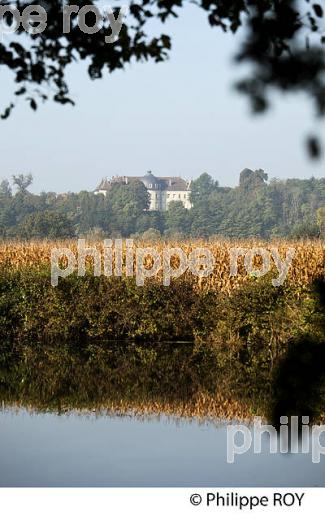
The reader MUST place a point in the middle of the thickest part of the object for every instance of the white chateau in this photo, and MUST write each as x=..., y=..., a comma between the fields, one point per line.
x=162, y=190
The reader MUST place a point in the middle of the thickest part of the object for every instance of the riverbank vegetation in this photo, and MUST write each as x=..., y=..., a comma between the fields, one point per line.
x=209, y=348
x=86, y=308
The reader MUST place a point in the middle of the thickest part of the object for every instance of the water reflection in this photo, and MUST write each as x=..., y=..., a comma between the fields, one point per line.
x=45, y=442
x=85, y=450
x=170, y=378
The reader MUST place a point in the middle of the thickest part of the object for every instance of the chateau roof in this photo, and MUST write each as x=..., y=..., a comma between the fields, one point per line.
x=175, y=183
x=150, y=181
x=104, y=185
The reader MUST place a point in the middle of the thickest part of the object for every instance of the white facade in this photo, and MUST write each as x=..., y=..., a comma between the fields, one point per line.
x=160, y=200
x=101, y=192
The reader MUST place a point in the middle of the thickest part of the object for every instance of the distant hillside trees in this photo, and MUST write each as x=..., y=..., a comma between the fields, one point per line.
x=257, y=207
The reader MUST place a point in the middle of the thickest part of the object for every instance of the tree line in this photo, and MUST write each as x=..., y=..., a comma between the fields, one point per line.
x=293, y=208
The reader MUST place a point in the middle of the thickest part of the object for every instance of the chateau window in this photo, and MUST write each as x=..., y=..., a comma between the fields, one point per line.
x=179, y=196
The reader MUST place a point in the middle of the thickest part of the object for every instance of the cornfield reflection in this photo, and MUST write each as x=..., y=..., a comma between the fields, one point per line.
x=181, y=379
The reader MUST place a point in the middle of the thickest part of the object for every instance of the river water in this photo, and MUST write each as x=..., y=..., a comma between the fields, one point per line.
x=47, y=449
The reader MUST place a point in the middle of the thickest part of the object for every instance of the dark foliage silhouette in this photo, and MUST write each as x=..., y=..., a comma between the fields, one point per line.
x=300, y=380
x=282, y=40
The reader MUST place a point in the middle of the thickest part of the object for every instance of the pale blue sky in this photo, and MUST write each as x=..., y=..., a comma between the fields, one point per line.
x=176, y=118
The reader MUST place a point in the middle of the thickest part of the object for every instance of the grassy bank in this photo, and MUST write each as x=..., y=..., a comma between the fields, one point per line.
x=86, y=308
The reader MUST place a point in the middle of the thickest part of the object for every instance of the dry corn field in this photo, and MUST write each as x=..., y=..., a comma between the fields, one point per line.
x=307, y=264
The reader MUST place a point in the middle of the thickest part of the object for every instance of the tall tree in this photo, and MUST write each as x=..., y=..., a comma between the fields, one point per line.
x=45, y=224
x=178, y=219
x=250, y=181
x=5, y=189
x=321, y=220
x=22, y=182
x=126, y=203
x=202, y=187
